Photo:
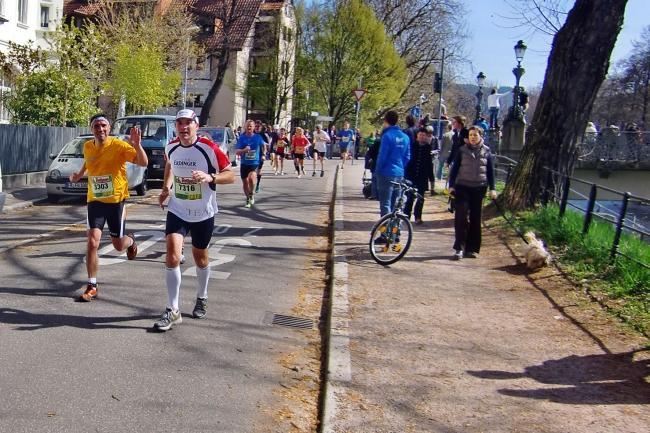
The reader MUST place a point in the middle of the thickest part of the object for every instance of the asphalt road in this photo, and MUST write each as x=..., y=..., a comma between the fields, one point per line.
x=77, y=367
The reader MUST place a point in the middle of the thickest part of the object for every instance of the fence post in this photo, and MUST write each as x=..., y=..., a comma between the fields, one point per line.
x=590, y=209
x=619, y=225
x=565, y=195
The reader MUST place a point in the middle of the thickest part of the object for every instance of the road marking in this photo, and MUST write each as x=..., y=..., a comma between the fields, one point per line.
x=109, y=251
x=220, y=258
x=254, y=230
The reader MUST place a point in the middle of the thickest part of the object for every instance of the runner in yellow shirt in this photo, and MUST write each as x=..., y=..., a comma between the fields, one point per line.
x=105, y=160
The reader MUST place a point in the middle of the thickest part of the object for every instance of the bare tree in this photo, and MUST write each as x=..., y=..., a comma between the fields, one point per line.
x=420, y=29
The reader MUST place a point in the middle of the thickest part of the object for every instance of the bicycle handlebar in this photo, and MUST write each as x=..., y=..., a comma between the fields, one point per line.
x=408, y=187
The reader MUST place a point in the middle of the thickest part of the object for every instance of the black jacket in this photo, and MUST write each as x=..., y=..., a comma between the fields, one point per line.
x=419, y=170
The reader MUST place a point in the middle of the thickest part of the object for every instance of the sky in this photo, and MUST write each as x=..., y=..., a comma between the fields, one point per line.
x=490, y=45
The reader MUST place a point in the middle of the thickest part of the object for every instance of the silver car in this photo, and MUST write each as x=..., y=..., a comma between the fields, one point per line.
x=70, y=160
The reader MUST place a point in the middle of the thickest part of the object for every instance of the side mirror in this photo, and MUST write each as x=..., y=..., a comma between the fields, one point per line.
x=52, y=155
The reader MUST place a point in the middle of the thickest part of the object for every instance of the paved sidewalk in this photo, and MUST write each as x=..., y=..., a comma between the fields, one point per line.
x=479, y=345
x=16, y=198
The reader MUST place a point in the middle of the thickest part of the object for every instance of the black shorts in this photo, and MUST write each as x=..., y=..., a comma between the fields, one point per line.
x=319, y=153
x=245, y=170
x=298, y=155
x=100, y=213
x=259, y=167
x=201, y=231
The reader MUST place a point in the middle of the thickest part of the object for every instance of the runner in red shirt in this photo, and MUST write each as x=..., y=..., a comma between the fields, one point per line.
x=299, y=145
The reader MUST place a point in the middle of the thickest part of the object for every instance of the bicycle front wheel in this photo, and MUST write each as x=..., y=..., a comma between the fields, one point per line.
x=390, y=238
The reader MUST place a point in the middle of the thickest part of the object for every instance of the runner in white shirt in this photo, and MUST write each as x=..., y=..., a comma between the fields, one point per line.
x=321, y=138
x=195, y=165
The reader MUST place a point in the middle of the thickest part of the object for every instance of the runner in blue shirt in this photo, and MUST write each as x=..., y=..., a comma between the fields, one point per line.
x=346, y=138
x=250, y=148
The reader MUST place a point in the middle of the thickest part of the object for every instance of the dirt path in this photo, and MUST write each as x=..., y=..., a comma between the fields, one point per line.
x=479, y=345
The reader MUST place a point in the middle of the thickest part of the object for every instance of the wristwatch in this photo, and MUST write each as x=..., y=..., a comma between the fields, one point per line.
x=214, y=178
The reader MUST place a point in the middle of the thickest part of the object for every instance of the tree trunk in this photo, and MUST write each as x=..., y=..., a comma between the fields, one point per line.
x=576, y=68
x=222, y=67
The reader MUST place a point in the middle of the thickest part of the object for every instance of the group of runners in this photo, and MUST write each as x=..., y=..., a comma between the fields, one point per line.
x=254, y=144
x=194, y=166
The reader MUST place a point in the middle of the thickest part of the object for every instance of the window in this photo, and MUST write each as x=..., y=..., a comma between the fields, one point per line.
x=2, y=9
x=22, y=11
x=45, y=16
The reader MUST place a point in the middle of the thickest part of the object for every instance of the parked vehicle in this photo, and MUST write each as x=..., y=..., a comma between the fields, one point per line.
x=224, y=137
x=157, y=131
x=70, y=160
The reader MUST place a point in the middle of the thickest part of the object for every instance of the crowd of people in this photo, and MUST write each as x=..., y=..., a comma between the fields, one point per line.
x=195, y=165
x=414, y=152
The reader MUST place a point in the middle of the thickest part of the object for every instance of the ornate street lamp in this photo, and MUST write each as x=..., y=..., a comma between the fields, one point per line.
x=480, y=80
x=515, y=110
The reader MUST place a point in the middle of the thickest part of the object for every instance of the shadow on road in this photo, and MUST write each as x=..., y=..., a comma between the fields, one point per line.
x=616, y=378
x=33, y=322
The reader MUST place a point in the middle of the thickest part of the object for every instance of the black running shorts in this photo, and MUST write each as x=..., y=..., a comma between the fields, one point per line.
x=100, y=213
x=244, y=170
x=201, y=231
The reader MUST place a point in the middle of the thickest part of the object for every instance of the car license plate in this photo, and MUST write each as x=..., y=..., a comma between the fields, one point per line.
x=156, y=165
x=76, y=185
x=158, y=152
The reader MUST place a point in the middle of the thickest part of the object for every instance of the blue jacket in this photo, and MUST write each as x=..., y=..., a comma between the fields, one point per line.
x=394, y=152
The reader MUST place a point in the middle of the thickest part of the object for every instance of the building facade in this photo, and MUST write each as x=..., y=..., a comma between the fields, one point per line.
x=241, y=34
x=22, y=22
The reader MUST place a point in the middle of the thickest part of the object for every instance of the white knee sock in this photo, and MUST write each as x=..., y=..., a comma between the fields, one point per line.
x=202, y=276
x=173, y=278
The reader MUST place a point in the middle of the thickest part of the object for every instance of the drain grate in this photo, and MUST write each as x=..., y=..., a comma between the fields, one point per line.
x=288, y=321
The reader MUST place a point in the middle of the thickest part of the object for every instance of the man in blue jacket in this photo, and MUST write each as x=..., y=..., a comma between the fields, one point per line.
x=394, y=154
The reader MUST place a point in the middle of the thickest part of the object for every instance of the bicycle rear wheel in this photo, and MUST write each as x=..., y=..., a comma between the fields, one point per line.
x=390, y=238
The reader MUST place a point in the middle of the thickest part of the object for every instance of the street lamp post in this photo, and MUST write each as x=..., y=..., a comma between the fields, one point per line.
x=480, y=80
x=187, y=63
x=515, y=111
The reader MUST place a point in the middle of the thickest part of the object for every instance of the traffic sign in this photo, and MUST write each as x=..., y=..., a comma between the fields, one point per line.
x=358, y=93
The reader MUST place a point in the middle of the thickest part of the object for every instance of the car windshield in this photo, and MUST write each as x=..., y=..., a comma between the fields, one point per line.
x=215, y=134
x=154, y=131
x=75, y=147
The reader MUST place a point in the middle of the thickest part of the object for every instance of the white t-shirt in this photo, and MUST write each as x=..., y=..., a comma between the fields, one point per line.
x=320, y=140
x=189, y=200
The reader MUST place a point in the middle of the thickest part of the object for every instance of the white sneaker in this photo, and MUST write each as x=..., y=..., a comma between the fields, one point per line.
x=299, y=176
x=168, y=319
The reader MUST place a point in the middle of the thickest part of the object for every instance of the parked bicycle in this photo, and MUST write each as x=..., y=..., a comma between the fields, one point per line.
x=390, y=237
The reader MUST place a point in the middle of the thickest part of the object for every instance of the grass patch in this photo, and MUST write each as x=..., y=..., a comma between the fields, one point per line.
x=622, y=284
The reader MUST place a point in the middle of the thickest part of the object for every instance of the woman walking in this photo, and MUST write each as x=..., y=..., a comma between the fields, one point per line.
x=472, y=172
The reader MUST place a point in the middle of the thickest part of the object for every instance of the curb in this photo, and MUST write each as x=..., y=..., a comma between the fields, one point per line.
x=338, y=368
x=22, y=204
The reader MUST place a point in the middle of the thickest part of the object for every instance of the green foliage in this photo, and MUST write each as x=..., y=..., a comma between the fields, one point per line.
x=138, y=74
x=341, y=45
x=50, y=97
x=624, y=282
x=23, y=57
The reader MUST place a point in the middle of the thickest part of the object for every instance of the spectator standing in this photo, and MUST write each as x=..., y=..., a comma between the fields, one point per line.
x=493, y=107
x=332, y=143
x=445, y=149
x=460, y=137
x=471, y=173
x=411, y=130
x=371, y=162
x=419, y=171
x=394, y=154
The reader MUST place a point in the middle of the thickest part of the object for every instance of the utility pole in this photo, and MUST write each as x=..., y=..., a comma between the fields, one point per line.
x=442, y=76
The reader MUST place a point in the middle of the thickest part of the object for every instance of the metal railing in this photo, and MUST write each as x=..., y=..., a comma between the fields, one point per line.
x=615, y=212
x=611, y=144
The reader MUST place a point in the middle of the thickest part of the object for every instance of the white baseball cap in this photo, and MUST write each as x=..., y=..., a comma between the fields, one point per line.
x=186, y=113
